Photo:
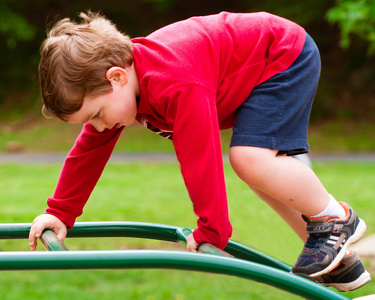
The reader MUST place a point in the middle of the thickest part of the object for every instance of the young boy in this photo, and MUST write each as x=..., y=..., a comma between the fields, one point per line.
x=255, y=72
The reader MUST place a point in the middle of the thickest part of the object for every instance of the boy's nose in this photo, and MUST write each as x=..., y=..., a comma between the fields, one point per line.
x=99, y=126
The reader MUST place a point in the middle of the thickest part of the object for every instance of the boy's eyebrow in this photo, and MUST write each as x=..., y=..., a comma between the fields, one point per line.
x=88, y=118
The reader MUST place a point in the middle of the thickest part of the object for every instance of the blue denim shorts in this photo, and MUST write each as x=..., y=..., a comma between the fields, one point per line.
x=276, y=114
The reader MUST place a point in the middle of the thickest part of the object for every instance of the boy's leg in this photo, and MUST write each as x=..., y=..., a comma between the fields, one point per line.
x=284, y=178
x=291, y=216
x=294, y=184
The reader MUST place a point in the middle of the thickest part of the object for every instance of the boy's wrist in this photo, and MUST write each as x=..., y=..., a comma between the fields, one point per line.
x=67, y=218
x=201, y=238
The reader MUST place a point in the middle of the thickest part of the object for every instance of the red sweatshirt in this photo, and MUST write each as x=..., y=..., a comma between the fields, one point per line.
x=193, y=75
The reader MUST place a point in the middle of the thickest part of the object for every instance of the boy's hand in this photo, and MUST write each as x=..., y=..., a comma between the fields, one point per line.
x=191, y=243
x=43, y=222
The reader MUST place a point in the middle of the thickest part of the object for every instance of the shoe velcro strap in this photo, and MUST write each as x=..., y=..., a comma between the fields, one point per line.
x=320, y=227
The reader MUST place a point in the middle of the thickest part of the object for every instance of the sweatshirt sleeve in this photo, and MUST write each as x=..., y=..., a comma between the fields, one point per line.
x=81, y=171
x=191, y=111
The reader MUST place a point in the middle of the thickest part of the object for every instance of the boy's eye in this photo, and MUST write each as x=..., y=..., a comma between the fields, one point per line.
x=96, y=116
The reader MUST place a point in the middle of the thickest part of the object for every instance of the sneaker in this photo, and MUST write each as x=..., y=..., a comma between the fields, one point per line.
x=348, y=276
x=328, y=242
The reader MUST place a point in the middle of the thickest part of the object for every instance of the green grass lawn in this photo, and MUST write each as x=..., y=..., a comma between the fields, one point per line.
x=154, y=192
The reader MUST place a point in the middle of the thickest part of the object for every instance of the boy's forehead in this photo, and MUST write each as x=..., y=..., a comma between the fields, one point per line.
x=83, y=115
x=76, y=118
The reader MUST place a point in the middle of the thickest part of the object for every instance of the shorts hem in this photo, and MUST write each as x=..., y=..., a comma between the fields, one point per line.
x=286, y=146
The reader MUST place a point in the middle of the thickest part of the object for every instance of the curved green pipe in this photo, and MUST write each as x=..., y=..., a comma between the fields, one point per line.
x=130, y=259
x=256, y=265
x=142, y=230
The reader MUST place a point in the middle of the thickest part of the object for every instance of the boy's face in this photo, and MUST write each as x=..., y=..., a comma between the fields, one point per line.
x=115, y=109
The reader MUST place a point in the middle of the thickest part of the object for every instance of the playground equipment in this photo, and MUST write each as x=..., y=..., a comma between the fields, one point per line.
x=237, y=259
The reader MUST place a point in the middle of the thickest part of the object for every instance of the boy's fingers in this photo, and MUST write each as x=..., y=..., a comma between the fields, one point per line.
x=33, y=247
x=38, y=230
x=32, y=243
x=191, y=244
x=35, y=233
x=43, y=222
x=31, y=238
x=62, y=234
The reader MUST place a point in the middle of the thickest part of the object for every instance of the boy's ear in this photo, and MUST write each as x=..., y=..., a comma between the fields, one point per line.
x=117, y=74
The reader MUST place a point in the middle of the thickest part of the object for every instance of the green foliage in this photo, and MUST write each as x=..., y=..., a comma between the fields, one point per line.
x=306, y=13
x=355, y=17
x=23, y=24
x=14, y=26
x=161, y=5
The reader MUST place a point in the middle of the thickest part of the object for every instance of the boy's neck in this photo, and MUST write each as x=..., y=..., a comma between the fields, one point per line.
x=133, y=79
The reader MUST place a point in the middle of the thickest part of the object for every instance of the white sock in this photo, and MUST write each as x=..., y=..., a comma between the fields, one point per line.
x=333, y=209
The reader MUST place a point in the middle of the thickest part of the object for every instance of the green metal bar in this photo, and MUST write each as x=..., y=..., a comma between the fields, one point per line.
x=124, y=229
x=142, y=230
x=212, y=250
x=168, y=233
x=250, y=254
x=13, y=231
x=235, y=250
x=130, y=259
x=269, y=271
x=99, y=229
x=51, y=242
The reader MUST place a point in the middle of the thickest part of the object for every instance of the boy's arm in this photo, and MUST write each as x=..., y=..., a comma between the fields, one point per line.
x=80, y=173
x=193, y=116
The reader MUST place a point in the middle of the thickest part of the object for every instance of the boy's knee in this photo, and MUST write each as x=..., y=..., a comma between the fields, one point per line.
x=240, y=158
x=246, y=160
x=236, y=156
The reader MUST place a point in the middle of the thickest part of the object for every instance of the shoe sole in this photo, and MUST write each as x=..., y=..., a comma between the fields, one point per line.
x=360, y=230
x=351, y=286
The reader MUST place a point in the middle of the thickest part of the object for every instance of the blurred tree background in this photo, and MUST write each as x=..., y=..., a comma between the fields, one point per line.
x=343, y=29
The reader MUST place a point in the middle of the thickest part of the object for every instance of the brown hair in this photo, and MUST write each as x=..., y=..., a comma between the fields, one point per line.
x=74, y=60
